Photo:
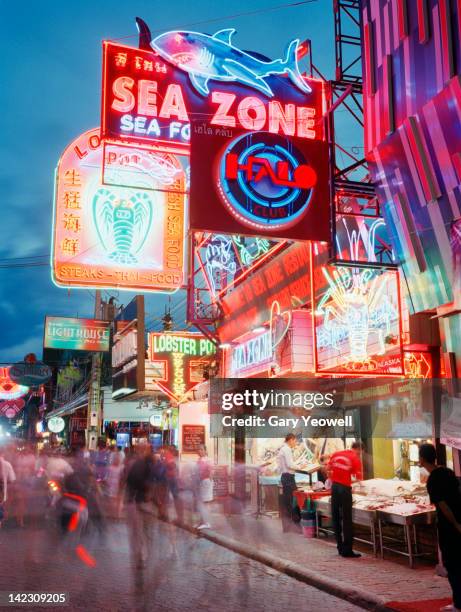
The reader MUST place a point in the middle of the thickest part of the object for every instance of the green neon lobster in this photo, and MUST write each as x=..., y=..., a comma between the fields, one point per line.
x=122, y=224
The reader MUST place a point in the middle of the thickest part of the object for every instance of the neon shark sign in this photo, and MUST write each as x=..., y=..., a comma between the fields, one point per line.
x=214, y=58
x=153, y=92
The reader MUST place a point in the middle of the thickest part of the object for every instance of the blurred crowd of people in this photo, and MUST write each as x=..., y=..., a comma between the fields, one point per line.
x=137, y=484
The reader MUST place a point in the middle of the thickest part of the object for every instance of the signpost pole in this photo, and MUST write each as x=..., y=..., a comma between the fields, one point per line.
x=94, y=392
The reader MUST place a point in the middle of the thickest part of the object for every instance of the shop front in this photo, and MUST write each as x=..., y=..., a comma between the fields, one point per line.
x=132, y=423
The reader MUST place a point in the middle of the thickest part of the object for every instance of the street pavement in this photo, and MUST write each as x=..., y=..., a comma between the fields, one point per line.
x=383, y=580
x=184, y=572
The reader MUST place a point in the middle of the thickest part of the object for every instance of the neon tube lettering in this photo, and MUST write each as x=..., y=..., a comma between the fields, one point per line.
x=124, y=99
x=257, y=108
x=225, y=101
x=306, y=122
x=284, y=119
x=173, y=103
x=253, y=115
x=147, y=98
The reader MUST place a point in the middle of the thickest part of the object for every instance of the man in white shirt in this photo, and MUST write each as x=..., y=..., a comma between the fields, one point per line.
x=287, y=475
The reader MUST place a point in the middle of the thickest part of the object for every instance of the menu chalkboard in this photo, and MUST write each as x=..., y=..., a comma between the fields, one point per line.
x=193, y=437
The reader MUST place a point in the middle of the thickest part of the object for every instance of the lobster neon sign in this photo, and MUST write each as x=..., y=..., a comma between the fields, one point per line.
x=356, y=310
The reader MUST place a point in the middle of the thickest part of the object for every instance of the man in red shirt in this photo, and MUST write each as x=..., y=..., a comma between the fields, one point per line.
x=341, y=467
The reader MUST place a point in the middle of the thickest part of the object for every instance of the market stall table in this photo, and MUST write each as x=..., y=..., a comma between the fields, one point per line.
x=408, y=522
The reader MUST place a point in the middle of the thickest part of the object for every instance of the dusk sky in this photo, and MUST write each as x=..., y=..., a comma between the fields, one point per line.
x=51, y=67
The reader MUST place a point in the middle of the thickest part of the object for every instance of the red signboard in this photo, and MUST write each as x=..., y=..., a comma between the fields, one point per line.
x=285, y=279
x=193, y=437
x=265, y=155
x=143, y=97
x=263, y=184
x=259, y=157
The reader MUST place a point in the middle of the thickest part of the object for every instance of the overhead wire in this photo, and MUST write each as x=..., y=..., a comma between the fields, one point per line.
x=268, y=9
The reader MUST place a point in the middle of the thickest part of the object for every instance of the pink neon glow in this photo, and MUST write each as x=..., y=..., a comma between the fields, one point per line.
x=253, y=114
x=124, y=100
x=280, y=119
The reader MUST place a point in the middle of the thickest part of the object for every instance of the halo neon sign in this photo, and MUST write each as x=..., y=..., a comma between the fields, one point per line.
x=265, y=181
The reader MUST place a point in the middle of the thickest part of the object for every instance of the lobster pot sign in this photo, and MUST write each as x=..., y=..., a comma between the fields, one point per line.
x=126, y=235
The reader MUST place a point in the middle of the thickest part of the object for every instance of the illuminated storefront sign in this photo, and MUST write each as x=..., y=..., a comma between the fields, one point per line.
x=257, y=351
x=256, y=354
x=357, y=321
x=121, y=237
x=265, y=182
x=142, y=98
x=76, y=334
x=186, y=345
x=285, y=279
x=226, y=259
x=177, y=361
x=263, y=150
x=10, y=390
x=151, y=97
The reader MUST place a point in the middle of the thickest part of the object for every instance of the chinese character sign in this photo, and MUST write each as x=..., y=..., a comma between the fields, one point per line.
x=127, y=237
x=76, y=334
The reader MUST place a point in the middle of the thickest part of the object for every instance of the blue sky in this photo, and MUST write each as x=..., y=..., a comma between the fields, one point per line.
x=51, y=73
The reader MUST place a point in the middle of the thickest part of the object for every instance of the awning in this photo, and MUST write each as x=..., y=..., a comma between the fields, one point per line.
x=124, y=411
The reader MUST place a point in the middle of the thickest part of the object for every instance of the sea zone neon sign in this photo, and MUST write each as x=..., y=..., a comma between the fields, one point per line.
x=147, y=99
